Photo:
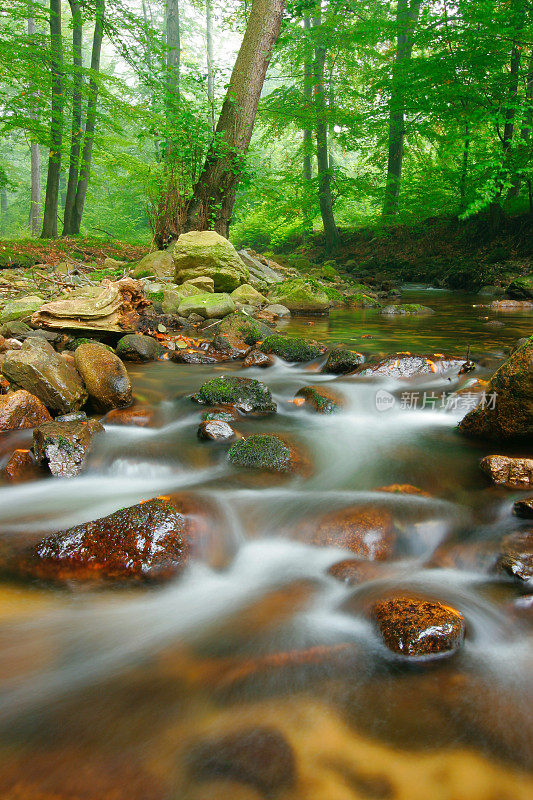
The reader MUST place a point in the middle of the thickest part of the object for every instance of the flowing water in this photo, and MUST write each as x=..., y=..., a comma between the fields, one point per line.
x=104, y=693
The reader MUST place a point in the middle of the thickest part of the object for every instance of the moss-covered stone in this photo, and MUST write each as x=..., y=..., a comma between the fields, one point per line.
x=403, y=309
x=207, y=305
x=242, y=328
x=75, y=343
x=207, y=254
x=158, y=263
x=521, y=288
x=262, y=452
x=246, y=295
x=292, y=348
x=341, y=361
x=21, y=308
x=320, y=399
x=246, y=394
x=362, y=300
x=301, y=295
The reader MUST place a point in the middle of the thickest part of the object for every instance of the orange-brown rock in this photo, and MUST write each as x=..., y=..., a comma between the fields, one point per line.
x=403, y=488
x=140, y=417
x=353, y=571
x=21, y=410
x=104, y=376
x=516, y=555
x=320, y=399
x=5, y=386
x=260, y=757
x=21, y=467
x=146, y=542
x=256, y=358
x=514, y=473
x=414, y=627
x=365, y=530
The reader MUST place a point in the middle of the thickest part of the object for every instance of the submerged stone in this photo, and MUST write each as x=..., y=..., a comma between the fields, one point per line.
x=246, y=394
x=516, y=555
x=292, y=348
x=341, y=361
x=21, y=467
x=419, y=628
x=365, y=530
x=256, y=358
x=264, y=452
x=320, y=399
x=405, y=365
x=403, y=309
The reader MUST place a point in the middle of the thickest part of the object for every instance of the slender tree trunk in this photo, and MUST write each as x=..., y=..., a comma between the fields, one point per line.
x=210, y=60
x=35, y=221
x=214, y=194
x=407, y=14
x=90, y=124
x=173, y=51
x=325, y=197
x=464, y=170
x=308, y=133
x=76, y=136
x=56, y=126
x=514, y=191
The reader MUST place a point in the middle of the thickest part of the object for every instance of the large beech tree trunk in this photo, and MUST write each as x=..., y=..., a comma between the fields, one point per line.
x=56, y=126
x=407, y=14
x=76, y=136
x=325, y=197
x=90, y=123
x=214, y=194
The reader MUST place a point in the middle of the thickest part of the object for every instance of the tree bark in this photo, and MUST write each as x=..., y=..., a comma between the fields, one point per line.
x=173, y=51
x=407, y=14
x=76, y=136
x=325, y=197
x=90, y=124
x=35, y=220
x=210, y=60
x=56, y=125
x=308, y=133
x=464, y=169
x=214, y=194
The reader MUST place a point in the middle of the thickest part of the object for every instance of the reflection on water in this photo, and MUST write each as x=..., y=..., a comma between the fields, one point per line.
x=113, y=694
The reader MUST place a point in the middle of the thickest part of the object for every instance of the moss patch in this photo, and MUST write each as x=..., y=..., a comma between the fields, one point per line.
x=261, y=452
x=247, y=394
x=291, y=348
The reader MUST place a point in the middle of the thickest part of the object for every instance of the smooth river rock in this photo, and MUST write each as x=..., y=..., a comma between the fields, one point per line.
x=21, y=410
x=418, y=628
x=367, y=531
x=516, y=555
x=105, y=377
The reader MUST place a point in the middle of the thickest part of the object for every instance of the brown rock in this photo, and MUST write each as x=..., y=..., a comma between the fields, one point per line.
x=524, y=508
x=21, y=467
x=403, y=488
x=104, y=375
x=216, y=431
x=320, y=399
x=64, y=446
x=514, y=473
x=365, y=530
x=140, y=417
x=260, y=757
x=516, y=555
x=190, y=356
x=146, y=542
x=21, y=410
x=5, y=386
x=418, y=628
x=353, y=571
x=511, y=305
x=256, y=358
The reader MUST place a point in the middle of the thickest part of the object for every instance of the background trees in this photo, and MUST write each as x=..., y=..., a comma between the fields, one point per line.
x=371, y=113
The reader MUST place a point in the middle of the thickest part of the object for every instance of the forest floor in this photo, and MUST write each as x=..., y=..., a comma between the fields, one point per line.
x=440, y=251
x=29, y=252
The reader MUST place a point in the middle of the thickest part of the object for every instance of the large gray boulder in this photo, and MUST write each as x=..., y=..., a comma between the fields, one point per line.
x=210, y=306
x=207, y=254
x=37, y=368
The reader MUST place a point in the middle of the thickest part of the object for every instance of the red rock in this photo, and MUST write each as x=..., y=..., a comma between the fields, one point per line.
x=260, y=757
x=413, y=627
x=516, y=555
x=21, y=467
x=21, y=410
x=256, y=358
x=146, y=542
x=514, y=473
x=365, y=530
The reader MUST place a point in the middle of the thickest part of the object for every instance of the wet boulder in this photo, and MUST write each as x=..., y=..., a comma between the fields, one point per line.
x=138, y=417
x=207, y=305
x=510, y=416
x=256, y=358
x=37, y=368
x=207, y=254
x=22, y=466
x=191, y=356
x=223, y=413
x=524, y=508
x=320, y=399
x=260, y=757
x=138, y=348
x=216, y=430
x=245, y=394
x=521, y=288
x=368, y=531
x=105, y=377
x=353, y=571
x=292, y=348
x=265, y=452
x=402, y=488
x=300, y=296
x=406, y=309
x=146, y=542
x=405, y=365
x=341, y=361
x=514, y=473
x=21, y=410
x=239, y=328
x=417, y=628
x=516, y=556
x=64, y=446
x=222, y=345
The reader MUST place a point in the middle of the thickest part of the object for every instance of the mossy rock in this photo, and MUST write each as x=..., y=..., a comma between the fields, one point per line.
x=158, y=263
x=320, y=399
x=207, y=254
x=264, y=452
x=242, y=328
x=341, y=361
x=21, y=308
x=361, y=300
x=246, y=394
x=301, y=296
x=75, y=343
x=407, y=309
x=521, y=288
x=191, y=289
x=208, y=305
x=246, y=295
x=138, y=348
x=292, y=348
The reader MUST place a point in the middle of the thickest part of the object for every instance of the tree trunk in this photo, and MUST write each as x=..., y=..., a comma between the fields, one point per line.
x=308, y=133
x=214, y=194
x=90, y=124
x=407, y=15
x=173, y=51
x=35, y=220
x=464, y=170
x=56, y=126
x=514, y=191
x=210, y=60
x=76, y=136
x=331, y=233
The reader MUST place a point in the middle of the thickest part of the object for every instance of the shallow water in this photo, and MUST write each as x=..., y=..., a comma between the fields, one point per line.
x=105, y=692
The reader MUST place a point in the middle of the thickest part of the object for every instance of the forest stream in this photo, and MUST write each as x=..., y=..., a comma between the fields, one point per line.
x=116, y=694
